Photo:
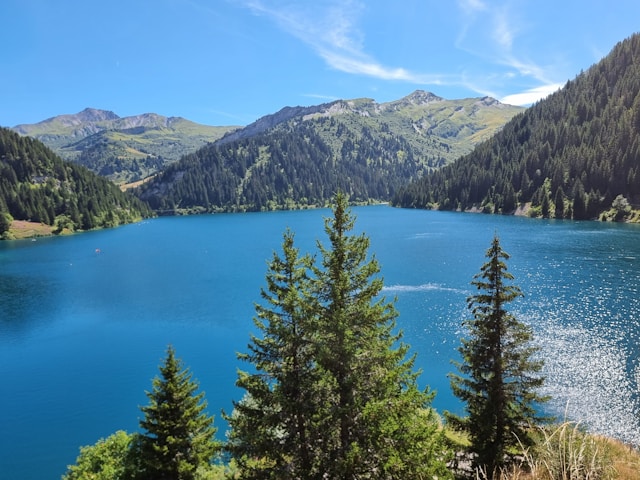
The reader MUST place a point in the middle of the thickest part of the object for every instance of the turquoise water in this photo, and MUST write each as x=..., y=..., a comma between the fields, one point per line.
x=85, y=320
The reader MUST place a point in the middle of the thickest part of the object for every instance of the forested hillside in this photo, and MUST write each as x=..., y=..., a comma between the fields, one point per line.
x=37, y=185
x=123, y=149
x=302, y=156
x=575, y=154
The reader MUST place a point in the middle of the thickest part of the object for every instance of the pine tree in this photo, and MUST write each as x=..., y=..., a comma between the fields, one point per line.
x=498, y=378
x=179, y=435
x=334, y=394
x=274, y=422
x=381, y=424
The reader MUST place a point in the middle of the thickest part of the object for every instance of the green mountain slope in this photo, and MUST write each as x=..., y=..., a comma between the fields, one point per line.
x=122, y=149
x=301, y=156
x=37, y=185
x=575, y=154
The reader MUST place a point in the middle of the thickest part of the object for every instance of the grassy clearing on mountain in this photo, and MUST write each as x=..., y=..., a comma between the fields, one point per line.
x=23, y=229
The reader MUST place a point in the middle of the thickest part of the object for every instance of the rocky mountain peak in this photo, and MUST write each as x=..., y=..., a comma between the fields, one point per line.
x=420, y=97
x=92, y=115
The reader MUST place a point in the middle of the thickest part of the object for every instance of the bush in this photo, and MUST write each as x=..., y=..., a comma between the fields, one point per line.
x=5, y=222
x=110, y=458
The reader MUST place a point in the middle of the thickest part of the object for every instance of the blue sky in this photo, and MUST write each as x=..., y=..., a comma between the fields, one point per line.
x=229, y=62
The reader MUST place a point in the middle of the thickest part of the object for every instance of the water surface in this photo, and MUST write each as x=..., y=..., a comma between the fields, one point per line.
x=85, y=320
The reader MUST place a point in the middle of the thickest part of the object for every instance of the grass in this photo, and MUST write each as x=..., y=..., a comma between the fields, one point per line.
x=626, y=460
x=21, y=229
x=566, y=452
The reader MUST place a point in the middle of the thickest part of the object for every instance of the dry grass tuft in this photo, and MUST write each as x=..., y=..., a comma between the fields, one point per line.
x=567, y=452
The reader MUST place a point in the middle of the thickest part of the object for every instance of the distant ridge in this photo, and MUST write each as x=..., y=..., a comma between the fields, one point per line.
x=123, y=149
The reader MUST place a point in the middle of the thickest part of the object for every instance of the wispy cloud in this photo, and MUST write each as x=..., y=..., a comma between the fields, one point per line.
x=503, y=32
x=471, y=6
x=320, y=96
x=331, y=29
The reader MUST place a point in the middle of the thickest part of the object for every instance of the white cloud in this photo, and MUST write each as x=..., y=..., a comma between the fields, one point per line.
x=363, y=65
x=532, y=95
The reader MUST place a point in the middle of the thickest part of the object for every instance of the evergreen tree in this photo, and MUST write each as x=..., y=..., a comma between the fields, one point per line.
x=559, y=203
x=498, y=378
x=380, y=423
x=179, y=435
x=334, y=394
x=274, y=422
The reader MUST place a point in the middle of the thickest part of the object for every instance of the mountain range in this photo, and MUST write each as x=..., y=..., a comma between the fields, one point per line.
x=132, y=148
x=300, y=156
x=123, y=149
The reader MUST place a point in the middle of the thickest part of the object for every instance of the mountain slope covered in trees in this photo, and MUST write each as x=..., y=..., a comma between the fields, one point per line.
x=575, y=154
x=124, y=149
x=301, y=156
x=37, y=185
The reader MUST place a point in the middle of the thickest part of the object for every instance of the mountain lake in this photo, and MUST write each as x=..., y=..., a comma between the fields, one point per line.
x=85, y=320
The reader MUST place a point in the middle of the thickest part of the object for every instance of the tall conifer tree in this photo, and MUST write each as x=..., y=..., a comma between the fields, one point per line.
x=364, y=415
x=382, y=425
x=499, y=377
x=274, y=422
x=179, y=435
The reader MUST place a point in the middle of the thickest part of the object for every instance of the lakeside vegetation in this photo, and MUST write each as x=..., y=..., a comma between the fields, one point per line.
x=331, y=391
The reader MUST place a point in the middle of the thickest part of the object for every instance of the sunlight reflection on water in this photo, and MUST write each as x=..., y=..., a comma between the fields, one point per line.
x=588, y=334
x=586, y=380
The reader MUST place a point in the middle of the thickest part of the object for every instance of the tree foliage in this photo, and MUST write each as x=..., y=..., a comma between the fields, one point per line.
x=36, y=185
x=334, y=394
x=499, y=376
x=568, y=156
x=111, y=458
x=178, y=435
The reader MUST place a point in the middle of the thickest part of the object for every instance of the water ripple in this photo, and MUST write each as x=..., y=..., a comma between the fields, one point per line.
x=425, y=287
